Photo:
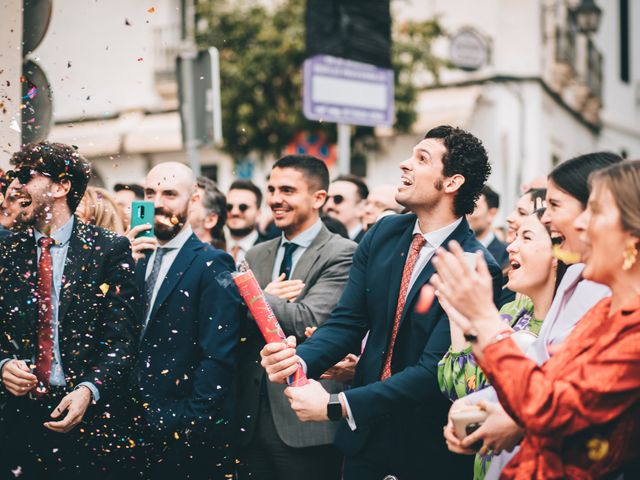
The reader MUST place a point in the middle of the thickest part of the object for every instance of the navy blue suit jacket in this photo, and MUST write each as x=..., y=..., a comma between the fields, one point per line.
x=186, y=365
x=409, y=403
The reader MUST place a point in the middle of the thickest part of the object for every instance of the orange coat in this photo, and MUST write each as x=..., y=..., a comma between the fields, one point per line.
x=581, y=409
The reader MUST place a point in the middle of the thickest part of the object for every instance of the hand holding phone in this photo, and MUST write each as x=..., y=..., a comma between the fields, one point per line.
x=143, y=213
x=466, y=421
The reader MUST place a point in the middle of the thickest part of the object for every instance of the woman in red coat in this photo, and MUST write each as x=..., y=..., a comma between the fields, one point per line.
x=581, y=409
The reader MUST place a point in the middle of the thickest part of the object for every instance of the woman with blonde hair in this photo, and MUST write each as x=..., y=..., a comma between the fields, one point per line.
x=99, y=208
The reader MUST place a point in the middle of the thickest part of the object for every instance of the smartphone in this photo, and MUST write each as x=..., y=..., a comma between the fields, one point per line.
x=143, y=213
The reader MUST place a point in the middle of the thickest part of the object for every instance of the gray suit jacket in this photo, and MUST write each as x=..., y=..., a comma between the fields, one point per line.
x=324, y=268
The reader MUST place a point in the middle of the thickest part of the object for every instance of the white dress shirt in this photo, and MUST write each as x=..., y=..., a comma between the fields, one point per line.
x=303, y=240
x=176, y=243
x=244, y=245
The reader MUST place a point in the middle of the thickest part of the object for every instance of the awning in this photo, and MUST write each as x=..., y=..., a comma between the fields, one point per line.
x=132, y=132
x=446, y=106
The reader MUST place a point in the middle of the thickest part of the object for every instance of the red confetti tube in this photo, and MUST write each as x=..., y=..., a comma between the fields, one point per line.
x=267, y=322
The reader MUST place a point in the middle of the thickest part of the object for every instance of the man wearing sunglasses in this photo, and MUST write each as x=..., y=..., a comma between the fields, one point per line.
x=67, y=320
x=243, y=213
x=345, y=203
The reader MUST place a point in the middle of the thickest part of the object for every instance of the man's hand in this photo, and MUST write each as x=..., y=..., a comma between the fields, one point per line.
x=498, y=432
x=17, y=378
x=280, y=360
x=309, y=402
x=285, y=289
x=141, y=244
x=343, y=371
x=76, y=404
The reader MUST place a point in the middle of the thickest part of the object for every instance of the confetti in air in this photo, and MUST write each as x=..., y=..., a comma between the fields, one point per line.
x=33, y=91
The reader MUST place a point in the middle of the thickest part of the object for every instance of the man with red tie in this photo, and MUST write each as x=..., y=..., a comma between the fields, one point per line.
x=67, y=320
x=392, y=416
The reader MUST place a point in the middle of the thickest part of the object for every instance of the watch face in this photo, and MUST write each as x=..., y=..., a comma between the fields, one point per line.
x=334, y=408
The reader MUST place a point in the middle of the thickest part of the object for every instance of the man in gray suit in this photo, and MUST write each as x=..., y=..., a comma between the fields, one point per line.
x=303, y=274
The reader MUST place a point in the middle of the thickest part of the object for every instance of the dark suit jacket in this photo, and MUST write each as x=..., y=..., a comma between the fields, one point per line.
x=96, y=329
x=408, y=408
x=324, y=268
x=186, y=364
x=499, y=251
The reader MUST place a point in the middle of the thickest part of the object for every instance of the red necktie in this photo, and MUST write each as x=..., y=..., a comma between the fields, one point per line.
x=414, y=251
x=45, y=332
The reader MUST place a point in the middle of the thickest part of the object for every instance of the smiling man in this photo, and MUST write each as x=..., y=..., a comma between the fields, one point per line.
x=67, y=319
x=392, y=416
x=303, y=274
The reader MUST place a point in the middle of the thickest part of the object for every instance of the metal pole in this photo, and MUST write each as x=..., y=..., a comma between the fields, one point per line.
x=344, y=148
x=188, y=56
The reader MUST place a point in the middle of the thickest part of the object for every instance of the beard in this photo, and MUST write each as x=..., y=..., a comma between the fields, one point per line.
x=167, y=229
x=241, y=232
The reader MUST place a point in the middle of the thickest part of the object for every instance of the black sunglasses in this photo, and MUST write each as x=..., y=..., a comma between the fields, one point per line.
x=337, y=199
x=243, y=207
x=24, y=174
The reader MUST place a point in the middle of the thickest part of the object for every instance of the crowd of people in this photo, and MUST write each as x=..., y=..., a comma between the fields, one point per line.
x=126, y=350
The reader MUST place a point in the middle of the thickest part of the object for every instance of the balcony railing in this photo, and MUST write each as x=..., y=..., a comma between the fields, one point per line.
x=566, y=46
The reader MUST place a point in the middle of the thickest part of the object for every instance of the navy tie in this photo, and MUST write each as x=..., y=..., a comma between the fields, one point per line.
x=287, y=260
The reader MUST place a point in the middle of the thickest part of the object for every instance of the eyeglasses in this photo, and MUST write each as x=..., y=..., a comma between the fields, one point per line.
x=24, y=174
x=337, y=199
x=243, y=207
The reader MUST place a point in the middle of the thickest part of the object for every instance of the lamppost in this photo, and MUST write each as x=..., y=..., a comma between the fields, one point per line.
x=586, y=17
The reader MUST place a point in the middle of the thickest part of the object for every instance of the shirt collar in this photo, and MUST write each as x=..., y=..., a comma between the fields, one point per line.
x=437, y=237
x=305, y=238
x=487, y=239
x=354, y=232
x=179, y=240
x=61, y=235
x=245, y=243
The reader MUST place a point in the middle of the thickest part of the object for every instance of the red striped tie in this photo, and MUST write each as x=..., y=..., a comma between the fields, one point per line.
x=414, y=252
x=45, y=331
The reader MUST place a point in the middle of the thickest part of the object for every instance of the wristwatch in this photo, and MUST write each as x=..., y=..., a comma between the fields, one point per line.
x=334, y=407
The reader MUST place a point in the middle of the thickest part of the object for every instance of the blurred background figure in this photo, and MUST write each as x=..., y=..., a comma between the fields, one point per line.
x=244, y=200
x=207, y=213
x=528, y=203
x=4, y=186
x=481, y=222
x=381, y=200
x=345, y=202
x=99, y=208
x=125, y=193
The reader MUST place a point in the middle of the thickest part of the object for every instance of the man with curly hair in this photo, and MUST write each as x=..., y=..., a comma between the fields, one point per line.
x=392, y=417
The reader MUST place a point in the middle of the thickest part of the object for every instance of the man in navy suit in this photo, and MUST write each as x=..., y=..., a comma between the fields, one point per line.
x=481, y=221
x=392, y=417
x=184, y=376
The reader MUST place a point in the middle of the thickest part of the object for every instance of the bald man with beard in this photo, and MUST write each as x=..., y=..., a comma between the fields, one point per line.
x=183, y=378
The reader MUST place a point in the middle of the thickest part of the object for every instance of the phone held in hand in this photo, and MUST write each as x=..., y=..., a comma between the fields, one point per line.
x=143, y=213
x=468, y=420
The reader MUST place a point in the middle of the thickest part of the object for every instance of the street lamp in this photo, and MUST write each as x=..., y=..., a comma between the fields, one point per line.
x=586, y=17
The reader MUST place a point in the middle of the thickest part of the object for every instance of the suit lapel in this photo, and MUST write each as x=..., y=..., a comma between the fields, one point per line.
x=398, y=259
x=263, y=267
x=311, y=255
x=460, y=234
x=185, y=257
x=23, y=269
x=78, y=254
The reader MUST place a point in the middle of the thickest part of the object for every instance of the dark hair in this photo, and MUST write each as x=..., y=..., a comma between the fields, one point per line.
x=59, y=162
x=314, y=169
x=491, y=196
x=465, y=156
x=334, y=226
x=363, y=190
x=137, y=190
x=572, y=176
x=214, y=201
x=537, y=194
x=248, y=185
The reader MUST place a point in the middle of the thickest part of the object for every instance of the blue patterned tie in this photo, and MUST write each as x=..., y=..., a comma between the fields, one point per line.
x=287, y=260
x=150, y=283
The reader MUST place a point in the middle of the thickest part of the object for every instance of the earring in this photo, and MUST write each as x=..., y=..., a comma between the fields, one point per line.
x=630, y=255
